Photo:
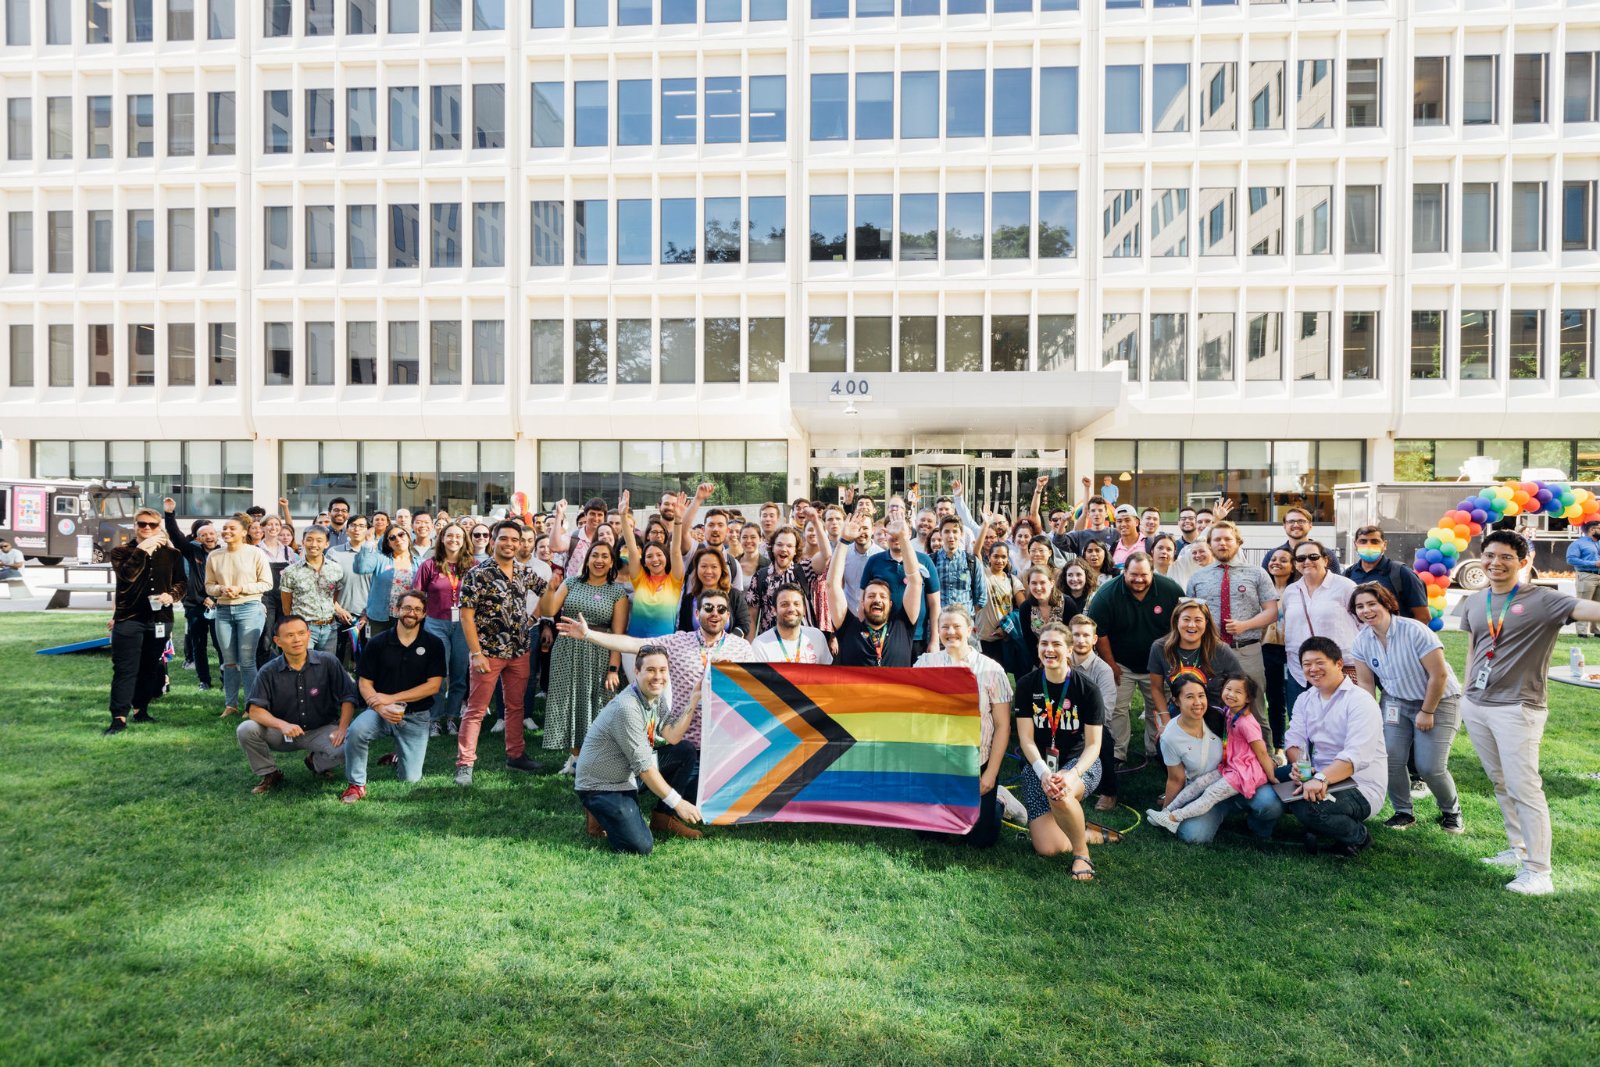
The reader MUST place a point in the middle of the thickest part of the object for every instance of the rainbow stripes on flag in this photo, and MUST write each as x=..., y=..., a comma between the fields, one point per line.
x=784, y=742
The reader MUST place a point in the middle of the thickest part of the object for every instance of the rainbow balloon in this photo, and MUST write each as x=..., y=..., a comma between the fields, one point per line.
x=1448, y=539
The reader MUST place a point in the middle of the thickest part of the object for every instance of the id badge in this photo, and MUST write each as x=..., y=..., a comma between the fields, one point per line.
x=161, y=631
x=1052, y=759
x=455, y=613
x=1391, y=713
x=1481, y=679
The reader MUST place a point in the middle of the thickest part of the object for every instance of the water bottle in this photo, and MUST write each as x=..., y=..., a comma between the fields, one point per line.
x=1575, y=662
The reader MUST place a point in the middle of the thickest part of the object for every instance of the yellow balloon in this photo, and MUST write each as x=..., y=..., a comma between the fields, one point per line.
x=1513, y=508
x=1580, y=495
x=1573, y=513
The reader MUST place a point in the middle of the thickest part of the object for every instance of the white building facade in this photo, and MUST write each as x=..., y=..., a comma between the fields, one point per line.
x=430, y=251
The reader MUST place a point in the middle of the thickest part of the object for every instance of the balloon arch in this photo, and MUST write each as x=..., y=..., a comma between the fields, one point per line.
x=1437, y=557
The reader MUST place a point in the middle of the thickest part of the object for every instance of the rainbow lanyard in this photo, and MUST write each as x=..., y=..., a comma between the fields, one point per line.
x=1055, y=710
x=706, y=652
x=1496, y=625
x=799, y=645
x=877, y=638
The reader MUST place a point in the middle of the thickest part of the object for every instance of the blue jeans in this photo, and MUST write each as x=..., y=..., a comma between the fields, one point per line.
x=618, y=814
x=448, y=704
x=324, y=636
x=410, y=744
x=1264, y=809
x=238, y=630
x=1291, y=694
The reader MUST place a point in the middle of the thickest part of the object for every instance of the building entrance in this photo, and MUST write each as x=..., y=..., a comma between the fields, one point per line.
x=991, y=479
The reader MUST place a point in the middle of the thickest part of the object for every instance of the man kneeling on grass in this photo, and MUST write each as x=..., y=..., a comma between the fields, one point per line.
x=622, y=742
x=302, y=700
x=401, y=671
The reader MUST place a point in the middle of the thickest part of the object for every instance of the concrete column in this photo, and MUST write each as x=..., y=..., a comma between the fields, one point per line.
x=1380, y=458
x=525, y=470
x=16, y=458
x=268, y=474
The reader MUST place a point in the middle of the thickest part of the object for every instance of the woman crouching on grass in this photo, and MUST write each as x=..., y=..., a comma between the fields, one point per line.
x=1246, y=764
x=1059, y=717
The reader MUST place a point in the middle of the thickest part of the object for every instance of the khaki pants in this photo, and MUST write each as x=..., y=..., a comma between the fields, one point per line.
x=1507, y=739
x=1250, y=660
x=1120, y=724
x=1588, y=589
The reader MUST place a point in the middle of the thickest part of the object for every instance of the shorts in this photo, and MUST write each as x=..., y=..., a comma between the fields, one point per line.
x=1037, y=803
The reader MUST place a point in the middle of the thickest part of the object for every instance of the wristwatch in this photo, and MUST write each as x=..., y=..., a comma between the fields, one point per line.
x=1320, y=777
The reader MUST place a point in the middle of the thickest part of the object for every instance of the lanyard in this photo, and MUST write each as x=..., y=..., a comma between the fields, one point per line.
x=455, y=586
x=706, y=652
x=1496, y=625
x=877, y=638
x=799, y=644
x=1055, y=709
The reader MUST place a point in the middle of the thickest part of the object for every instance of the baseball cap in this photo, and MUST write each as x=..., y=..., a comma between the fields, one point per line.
x=1128, y=510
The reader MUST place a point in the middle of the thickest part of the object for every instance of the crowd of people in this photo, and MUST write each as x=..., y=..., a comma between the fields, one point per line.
x=1295, y=686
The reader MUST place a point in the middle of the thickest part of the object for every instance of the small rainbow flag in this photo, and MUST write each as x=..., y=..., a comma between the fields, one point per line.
x=784, y=742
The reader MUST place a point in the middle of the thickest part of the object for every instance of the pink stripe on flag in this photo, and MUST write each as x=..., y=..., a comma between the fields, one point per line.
x=950, y=820
x=734, y=743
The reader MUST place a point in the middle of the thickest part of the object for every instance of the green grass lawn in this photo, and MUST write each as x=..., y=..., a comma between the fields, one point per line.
x=156, y=912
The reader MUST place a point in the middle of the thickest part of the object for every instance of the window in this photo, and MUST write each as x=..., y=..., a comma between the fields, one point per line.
x=141, y=21
x=828, y=347
x=361, y=352
x=1124, y=104
x=963, y=343
x=1217, y=221
x=1010, y=225
x=769, y=108
x=180, y=239
x=1430, y=87
x=1218, y=96
x=180, y=353
x=1008, y=343
x=874, y=226
x=1576, y=343
x=633, y=231
x=1480, y=90
x=1580, y=92
x=405, y=353
x=99, y=115
x=278, y=364
x=828, y=226
x=919, y=104
x=589, y=352
x=101, y=241
x=549, y=14
x=1429, y=215
x=221, y=249
x=361, y=237
x=590, y=233
x=1264, y=347
x=444, y=116
x=549, y=230
x=1427, y=345
x=1363, y=93
x=60, y=355
x=590, y=12
x=1528, y=88
x=21, y=337
x=19, y=127
x=678, y=342
x=1119, y=224
x=1058, y=100
x=58, y=246
x=1266, y=96
x=634, y=12
x=963, y=226
x=919, y=343
x=1312, y=347
x=765, y=340
x=1361, y=345
x=724, y=110
x=17, y=33
x=549, y=115
x=1119, y=341
x=1477, y=345
x=58, y=120
x=965, y=110
x=1314, y=98
x=871, y=350
x=1527, y=216
x=546, y=362
x=444, y=352
x=633, y=351
x=319, y=353
x=678, y=118
x=141, y=353
x=1169, y=359
x=58, y=25
x=361, y=17
x=279, y=237
x=279, y=20
x=488, y=234
x=1169, y=222
x=1012, y=107
x=180, y=124
x=405, y=245
x=767, y=225
x=1361, y=226
x=1577, y=215
x=875, y=106
x=319, y=18
x=445, y=16
x=1169, y=98
x=830, y=120
x=141, y=126
x=1058, y=224
x=1526, y=349
x=361, y=120
x=219, y=20
x=722, y=350
x=221, y=132
x=319, y=120
x=919, y=226
x=319, y=237
x=278, y=135
x=1478, y=217
x=19, y=242
x=142, y=240
x=488, y=116
x=635, y=123
x=98, y=31
x=403, y=17
x=488, y=349
x=680, y=236
x=1214, y=346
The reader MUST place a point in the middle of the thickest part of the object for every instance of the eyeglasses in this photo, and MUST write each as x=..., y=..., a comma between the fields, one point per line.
x=714, y=609
x=148, y=525
x=1296, y=522
x=480, y=536
x=1312, y=558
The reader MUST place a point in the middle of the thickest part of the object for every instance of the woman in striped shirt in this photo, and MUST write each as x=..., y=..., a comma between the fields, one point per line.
x=1421, y=700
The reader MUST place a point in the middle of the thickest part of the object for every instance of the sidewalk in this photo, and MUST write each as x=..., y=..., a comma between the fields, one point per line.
x=37, y=595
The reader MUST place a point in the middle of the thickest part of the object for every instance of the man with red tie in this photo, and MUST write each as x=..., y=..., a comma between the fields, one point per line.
x=1243, y=600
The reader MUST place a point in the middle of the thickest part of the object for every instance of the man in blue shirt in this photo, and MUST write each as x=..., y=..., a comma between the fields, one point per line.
x=1584, y=557
x=889, y=566
x=1374, y=565
x=960, y=576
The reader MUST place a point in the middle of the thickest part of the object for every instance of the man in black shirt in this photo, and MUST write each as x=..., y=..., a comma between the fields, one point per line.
x=1374, y=565
x=150, y=579
x=400, y=673
x=302, y=700
x=878, y=638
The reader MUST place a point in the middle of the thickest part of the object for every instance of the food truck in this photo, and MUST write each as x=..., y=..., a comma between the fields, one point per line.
x=54, y=520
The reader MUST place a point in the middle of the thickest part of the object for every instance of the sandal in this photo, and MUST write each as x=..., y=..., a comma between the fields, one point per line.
x=1105, y=803
x=1084, y=873
x=1108, y=836
x=227, y=712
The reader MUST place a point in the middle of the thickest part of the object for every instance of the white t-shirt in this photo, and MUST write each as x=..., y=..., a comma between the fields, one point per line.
x=812, y=647
x=11, y=558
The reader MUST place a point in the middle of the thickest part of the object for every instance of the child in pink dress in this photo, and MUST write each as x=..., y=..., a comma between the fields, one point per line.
x=1246, y=764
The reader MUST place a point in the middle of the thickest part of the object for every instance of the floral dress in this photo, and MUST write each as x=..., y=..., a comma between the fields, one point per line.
x=578, y=668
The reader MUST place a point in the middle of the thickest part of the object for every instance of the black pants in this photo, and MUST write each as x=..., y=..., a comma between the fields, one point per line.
x=1274, y=661
x=984, y=833
x=137, y=672
x=197, y=635
x=1342, y=816
x=679, y=764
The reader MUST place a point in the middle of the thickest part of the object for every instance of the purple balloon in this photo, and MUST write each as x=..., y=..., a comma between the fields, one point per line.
x=1545, y=496
x=1438, y=570
x=1479, y=515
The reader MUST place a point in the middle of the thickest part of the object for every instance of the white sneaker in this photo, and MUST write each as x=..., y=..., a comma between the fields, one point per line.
x=1014, y=809
x=1532, y=883
x=571, y=766
x=436, y=729
x=1161, y=819
x=499, y=727
x=528, y=724
x=1508, y=857
x=454, y=728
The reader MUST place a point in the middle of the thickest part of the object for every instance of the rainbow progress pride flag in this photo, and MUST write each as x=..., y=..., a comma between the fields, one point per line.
x=784, y=742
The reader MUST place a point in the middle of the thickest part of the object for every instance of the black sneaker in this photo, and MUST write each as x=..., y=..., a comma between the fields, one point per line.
x=1311, y=844
x=523, y=763
x=1400, y=820
x=116, y=727
x=141, y=716
x=1350, y=851
x=203, y=686
x=1451, y=824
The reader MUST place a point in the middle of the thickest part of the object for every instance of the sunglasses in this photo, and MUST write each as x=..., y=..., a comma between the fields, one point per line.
x=480, y=537
x=398, y=535
x=1312, y=558
x=1192, y=602
x=714, y=609
x=148, y=525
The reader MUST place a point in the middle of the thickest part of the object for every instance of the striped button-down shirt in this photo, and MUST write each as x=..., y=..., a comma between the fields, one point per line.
x=1397, y=662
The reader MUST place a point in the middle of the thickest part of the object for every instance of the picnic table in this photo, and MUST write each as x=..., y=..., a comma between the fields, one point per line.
x=62, y=597
x=1589, y=680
